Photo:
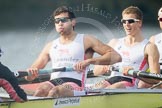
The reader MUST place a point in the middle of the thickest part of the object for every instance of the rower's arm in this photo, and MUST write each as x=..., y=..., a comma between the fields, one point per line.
x=102, y=69
x=43, y=58
x=152, y=39
x=153, y=60
x=108, y=55
x=40, y=62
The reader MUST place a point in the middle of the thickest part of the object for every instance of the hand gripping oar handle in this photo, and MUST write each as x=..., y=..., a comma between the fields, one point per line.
x=138, y=73
x=44, y=71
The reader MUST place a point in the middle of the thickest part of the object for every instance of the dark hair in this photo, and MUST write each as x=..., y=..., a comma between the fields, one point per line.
x=133, y=10
x=64, y=9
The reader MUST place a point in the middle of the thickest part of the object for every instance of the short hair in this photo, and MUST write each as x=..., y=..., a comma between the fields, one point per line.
x=160, y=11
x=64, y=9
x=133, y=10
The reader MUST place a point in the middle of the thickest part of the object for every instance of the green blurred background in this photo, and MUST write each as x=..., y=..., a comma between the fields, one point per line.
x=29, y=14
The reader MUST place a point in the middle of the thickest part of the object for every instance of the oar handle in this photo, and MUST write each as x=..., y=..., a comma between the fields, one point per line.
x=44, y=71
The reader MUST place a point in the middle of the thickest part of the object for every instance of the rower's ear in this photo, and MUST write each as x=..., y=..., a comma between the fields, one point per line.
x=140, y=24
x=73, y=22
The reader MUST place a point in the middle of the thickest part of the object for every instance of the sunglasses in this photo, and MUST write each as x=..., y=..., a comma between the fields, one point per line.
x=63, y=20
x=160, y=19
x=130, y=21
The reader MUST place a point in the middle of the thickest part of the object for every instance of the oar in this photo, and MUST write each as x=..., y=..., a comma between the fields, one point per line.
x=143, y=74
x=43, y=71
x=46, y=77
x=91, y=74
x=39, y=79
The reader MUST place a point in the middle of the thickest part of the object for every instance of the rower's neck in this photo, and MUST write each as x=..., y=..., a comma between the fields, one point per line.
x=132, y=40
x=65, y=39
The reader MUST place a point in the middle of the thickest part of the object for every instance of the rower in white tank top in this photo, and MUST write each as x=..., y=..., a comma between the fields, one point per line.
x=67, y=55
x=158, y=42
x=131, y=56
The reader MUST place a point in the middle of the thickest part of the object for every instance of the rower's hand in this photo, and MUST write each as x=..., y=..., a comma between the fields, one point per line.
x=81, y=65
x=33, y=73
x=126, y=69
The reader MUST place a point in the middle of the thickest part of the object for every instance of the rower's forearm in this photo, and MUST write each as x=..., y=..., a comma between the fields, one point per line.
x=107, y=59
x=38, y=65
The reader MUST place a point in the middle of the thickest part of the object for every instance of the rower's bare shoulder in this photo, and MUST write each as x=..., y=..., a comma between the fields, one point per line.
x=47, y=47
x=113, y=42
x=151, y=48
x=151, y=45
x=152, y=39
x=91, y=39
x=49, y=44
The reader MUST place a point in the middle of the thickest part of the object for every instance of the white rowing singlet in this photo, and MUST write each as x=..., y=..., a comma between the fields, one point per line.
x=158, y=42
x=66, y=55
x=131, y=56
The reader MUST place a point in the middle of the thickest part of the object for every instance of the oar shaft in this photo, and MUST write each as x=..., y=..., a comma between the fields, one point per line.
x=44, y=71
x=140, y=73
x=149, y=75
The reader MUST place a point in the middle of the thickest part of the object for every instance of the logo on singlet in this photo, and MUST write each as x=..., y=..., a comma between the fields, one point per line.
x=119, y=47
x=55, y=46
x=159, y=42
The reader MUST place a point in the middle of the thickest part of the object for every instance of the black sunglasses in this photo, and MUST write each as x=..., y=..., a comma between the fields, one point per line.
x=130, y=21
x=63, y=20
x=160, y=19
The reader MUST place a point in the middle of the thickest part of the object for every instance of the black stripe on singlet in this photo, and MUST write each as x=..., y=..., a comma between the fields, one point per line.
x=116, y=79
x=59, y=81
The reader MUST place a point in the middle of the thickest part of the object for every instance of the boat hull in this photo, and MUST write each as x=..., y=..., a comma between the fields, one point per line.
x=110, y=100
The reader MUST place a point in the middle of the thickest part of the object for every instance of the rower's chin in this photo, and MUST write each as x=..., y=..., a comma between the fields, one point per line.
x=128, y=33
x=61, y=33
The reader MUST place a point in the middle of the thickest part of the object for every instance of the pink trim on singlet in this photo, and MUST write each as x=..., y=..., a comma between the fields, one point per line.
x=144, y=62
x=83, y=77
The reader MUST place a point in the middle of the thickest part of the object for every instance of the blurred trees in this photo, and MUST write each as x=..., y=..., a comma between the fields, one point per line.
x=31, y=13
